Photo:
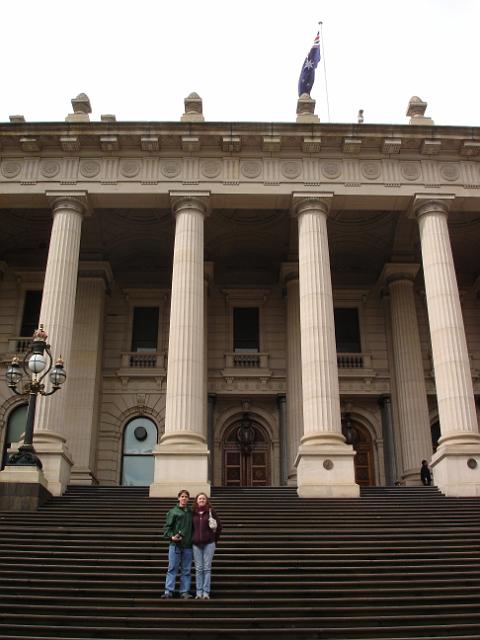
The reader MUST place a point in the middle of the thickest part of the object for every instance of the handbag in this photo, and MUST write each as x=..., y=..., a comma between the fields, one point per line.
x=212, y=523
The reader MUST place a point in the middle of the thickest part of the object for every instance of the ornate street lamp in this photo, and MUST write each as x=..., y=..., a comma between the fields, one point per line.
x=36, y=365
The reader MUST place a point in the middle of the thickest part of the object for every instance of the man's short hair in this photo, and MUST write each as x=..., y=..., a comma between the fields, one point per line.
x=183, y=491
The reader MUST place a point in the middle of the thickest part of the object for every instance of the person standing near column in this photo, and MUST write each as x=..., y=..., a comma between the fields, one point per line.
x=206, y=533
x=178, y=530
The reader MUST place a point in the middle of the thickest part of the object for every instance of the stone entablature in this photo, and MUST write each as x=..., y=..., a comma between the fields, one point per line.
x=369, y=162
x=346, y=174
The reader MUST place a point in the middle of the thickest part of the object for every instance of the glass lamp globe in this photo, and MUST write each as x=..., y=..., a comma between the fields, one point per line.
x=37, y=363
x=57, y=374
x=14, y=374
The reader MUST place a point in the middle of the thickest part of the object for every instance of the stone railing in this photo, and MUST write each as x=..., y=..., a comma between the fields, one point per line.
x=246, y=360
x=143, y=360
x=354, y=360
x=20, y=344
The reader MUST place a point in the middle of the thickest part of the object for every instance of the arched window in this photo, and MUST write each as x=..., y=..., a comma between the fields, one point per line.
x=139, y=439
x=15, y=428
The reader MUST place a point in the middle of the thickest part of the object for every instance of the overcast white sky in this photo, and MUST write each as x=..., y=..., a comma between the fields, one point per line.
x=138, y=59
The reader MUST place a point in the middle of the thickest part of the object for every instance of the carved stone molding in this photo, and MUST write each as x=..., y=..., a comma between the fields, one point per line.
x=299, y=172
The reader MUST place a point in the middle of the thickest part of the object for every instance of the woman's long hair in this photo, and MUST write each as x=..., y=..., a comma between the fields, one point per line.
x=207, y=504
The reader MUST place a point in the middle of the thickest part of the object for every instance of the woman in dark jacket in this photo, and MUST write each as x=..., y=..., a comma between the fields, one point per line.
x=205, y=537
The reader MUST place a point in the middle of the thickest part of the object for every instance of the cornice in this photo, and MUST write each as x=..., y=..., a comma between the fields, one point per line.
x=237, y=138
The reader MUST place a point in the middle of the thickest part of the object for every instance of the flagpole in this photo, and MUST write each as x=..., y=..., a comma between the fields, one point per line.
x=324, y=68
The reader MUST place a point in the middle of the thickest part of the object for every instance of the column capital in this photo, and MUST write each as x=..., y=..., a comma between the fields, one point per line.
x=393, y=271
x=197, y=200
x=208, y=271
x=424, y=203
x=288, y=272
x=75, y=201
x=96, y=269
x=311, y=202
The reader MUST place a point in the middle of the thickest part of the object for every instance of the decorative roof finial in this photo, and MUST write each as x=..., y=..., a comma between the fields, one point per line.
x=416, y=110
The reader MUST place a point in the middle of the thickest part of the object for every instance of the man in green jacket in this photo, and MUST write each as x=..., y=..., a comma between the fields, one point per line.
x=178, y=530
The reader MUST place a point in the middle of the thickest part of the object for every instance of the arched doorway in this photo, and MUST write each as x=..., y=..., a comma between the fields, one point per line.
x=359, y=437
x=139, y=439
x=246, y=455
x=17, y=421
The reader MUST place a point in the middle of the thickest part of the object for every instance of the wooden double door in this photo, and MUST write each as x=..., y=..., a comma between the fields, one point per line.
x=359, y=437
x=246, y=456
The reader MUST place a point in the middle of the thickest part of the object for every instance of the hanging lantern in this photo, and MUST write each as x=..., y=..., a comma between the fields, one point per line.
x=246, y=434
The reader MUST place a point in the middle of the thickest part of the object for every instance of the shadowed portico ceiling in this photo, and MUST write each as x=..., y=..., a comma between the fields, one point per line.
x=247, y=246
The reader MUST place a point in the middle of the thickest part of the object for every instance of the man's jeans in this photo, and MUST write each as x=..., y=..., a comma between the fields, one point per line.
x=203, y=567
x=178, y=558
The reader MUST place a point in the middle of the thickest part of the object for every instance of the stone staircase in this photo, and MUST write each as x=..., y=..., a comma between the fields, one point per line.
x=396, y=563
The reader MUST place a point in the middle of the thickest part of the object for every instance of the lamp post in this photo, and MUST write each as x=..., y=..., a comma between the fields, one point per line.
x=36, y=365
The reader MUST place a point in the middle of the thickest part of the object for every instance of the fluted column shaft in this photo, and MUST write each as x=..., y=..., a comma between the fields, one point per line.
x=321, y=401
x=184, y=415
x=85, y=370
x=294, y=375
x=58, y=300
x=453, y=380
x=411, y=394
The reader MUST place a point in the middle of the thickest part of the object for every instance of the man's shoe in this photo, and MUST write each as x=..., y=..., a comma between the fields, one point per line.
x=166, y=596
x=199, y=596
x=206, y=596
x=186, y=596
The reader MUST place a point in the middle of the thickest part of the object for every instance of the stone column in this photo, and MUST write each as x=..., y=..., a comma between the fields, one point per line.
x=456, y=463
x=56, y=314
x=294, y=369
x=181, y=457
x=212, y=398
x=388, y=441
x=85, y=379
x=413, y=415
x=282, y=436
x=325, y=462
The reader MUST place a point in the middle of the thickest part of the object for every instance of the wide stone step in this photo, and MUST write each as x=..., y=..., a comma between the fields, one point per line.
x=234, y=631
x=397, y=563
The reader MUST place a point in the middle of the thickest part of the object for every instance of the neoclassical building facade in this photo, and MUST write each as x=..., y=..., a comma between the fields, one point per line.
x=245, y=304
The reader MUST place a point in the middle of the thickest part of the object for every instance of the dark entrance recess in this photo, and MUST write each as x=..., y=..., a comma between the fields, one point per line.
x=246, y=455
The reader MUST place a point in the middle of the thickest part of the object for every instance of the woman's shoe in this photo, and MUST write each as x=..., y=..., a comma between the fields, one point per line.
x=199, y=596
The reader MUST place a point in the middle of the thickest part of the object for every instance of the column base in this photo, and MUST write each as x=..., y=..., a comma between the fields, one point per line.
x=326, y=471
x=22, y=488
x=292, y=478
x=412, y=479
x=56, y=459
x=456, y=469
x=180, y=466
x=82, y=476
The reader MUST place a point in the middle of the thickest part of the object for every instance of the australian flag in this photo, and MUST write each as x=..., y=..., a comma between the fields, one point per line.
x=307, y=74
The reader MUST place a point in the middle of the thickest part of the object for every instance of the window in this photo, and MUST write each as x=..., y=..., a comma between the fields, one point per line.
x=347, y=331
x=31, y=313
x=17, y=422
x=246, y=325
x=145, y=328
x=139, y=439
